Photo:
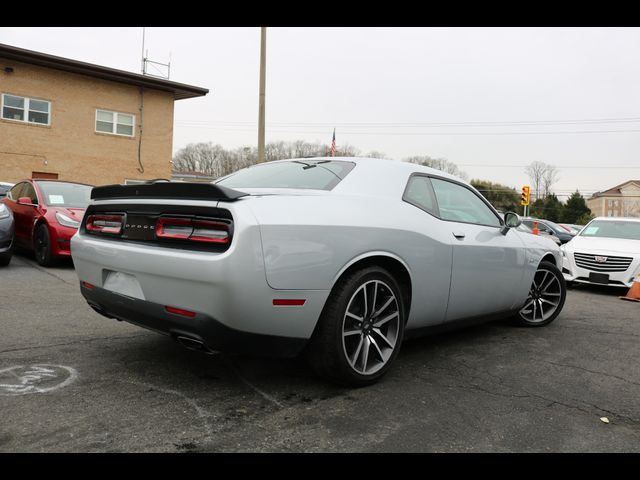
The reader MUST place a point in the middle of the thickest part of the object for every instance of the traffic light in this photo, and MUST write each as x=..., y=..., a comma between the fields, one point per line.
x=525, y=195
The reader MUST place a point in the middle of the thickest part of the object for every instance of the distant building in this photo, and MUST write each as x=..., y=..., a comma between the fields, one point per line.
x=71, y=120
x=620, y=201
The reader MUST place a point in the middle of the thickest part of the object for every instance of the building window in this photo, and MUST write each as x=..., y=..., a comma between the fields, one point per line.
x=24, y=109
x=115, y=123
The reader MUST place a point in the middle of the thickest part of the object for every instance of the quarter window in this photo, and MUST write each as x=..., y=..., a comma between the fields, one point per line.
x=459, y=204
x=420, y=193
x=30, y=192
x=16, y=191
x=25, y=109
x=115, y=123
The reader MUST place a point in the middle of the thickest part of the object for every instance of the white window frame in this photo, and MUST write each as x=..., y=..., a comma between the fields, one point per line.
x=114, y=131
x=26, y=109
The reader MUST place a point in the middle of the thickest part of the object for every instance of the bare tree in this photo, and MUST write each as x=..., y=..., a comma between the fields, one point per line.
x=536, y=171
x=437, y=163
x=212, y=159
x=543, y=176
x=549, y=178
x=376, y=154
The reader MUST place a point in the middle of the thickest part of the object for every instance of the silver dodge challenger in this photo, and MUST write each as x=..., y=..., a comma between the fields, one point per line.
x=335, y=258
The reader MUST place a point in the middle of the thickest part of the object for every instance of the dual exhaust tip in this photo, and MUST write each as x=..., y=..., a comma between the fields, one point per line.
x=193, y=344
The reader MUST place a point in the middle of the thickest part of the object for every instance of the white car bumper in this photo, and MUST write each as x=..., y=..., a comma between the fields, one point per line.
x=592, y=268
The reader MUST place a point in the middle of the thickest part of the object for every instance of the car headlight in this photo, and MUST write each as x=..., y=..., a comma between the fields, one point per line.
x=66, y=221
x=4, y=211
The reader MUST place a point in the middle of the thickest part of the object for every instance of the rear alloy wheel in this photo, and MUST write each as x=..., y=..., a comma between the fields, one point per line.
x=42, y=246
x=360, y=330
x=546, y=297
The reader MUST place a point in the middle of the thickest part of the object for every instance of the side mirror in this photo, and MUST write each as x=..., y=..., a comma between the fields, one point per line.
x=25, y=201
x=511, y=220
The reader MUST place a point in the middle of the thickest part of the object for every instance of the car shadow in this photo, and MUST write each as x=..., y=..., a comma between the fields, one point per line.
x=604, y=290
x=63, y=263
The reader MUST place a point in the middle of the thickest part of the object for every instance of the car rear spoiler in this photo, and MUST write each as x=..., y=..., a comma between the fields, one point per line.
x=174, y=190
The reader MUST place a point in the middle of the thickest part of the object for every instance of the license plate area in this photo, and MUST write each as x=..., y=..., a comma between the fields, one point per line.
x=122, y=283
x=599, y=278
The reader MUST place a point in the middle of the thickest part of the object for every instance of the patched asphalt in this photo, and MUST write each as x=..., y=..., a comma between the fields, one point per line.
x=112, y=387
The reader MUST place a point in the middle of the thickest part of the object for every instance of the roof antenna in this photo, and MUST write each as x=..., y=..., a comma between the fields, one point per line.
x=142, y=55
x=160, y=70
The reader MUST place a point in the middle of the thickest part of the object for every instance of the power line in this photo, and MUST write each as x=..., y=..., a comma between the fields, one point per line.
x=322, y=132
x=430, y=124
x=559, y=167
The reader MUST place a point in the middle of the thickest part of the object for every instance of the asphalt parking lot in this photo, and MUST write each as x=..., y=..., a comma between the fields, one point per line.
x=98, y=385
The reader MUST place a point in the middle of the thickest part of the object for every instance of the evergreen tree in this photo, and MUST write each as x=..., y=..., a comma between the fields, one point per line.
x=575, y=208
x=585, y=218
x=548, y=208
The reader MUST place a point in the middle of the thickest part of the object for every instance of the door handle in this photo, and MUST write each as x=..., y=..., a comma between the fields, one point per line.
x=459, y=235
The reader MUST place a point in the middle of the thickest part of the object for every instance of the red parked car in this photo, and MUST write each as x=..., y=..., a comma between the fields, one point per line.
x=47, y=214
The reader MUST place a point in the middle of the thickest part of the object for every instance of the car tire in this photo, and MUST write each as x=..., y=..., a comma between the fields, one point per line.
x=5, y=257
x=42, y=246
x=548, y=290
x=353, y=344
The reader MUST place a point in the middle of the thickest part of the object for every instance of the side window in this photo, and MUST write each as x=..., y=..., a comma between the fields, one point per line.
x=419, y=192
x=16, y=191
x=30, y=192
x=459, y=204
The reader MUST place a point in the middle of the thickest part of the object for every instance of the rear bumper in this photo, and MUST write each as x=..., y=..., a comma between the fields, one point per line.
x=229, y=287
x=201, y=328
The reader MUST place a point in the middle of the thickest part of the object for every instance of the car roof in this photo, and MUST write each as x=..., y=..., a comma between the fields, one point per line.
x=38, y=180
x=613, y=219
x=381, y=163
x=384, y=177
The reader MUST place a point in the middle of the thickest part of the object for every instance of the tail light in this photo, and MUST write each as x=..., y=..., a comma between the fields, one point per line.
x=193, y=229
x=105, y=224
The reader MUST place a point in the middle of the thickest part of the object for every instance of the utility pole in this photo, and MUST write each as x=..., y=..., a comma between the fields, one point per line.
x=263, y=59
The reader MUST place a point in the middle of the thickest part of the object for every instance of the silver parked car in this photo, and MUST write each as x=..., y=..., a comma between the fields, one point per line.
x=339, y=258
x=7, y=229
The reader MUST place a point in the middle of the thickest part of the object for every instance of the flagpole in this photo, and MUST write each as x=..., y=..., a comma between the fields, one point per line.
x=333, y=143
x=263, y=55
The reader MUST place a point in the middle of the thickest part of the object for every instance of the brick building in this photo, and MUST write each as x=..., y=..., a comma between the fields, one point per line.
x=61, y=118
x=620, y=201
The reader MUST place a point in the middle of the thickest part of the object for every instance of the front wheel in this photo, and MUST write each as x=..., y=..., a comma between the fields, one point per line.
x=546, y=297
x=360, y=330
x=42, y=246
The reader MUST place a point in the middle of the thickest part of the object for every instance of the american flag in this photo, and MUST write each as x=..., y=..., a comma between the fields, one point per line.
x=333, y=144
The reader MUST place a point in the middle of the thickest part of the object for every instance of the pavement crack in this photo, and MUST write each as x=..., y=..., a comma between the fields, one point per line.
x=593, y=371
x=201, y=412
x=260, y=392
x=524, y=394
x=75, y=342
x=37, y=267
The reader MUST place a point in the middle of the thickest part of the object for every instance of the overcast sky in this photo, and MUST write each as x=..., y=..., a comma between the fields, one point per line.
x=491, y=100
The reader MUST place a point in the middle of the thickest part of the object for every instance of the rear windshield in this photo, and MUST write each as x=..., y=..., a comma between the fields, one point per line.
x=311, y=174
x=69, y=195
x=612, y=229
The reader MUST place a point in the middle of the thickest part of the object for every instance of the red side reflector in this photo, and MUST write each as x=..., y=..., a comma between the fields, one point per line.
x=180, y=311
x=87, y=285
x=286, y=302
